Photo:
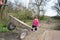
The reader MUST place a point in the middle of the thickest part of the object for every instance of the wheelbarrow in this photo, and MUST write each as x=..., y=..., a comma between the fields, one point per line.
x=23, y=27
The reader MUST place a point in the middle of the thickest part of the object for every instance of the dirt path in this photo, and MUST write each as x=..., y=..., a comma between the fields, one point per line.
x=31, y=36
x=35, y=35
x=8, y=36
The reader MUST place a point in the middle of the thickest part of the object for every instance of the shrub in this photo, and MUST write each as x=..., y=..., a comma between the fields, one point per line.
x=23, y=14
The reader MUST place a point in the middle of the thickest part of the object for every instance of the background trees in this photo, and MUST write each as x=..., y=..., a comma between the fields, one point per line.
x=57, y=7
x=37, y=6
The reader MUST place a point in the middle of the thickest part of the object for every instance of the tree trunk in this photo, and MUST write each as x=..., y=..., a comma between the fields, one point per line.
x=38, y=11
x=43, y=14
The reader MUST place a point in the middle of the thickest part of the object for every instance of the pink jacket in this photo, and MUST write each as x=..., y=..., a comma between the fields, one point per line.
x=35, y=22
x=1, y=2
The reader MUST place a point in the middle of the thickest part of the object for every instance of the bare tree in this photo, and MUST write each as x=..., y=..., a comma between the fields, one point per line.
x=57, y=8
x=18, y=6
x=36, y=5
x=9, y=8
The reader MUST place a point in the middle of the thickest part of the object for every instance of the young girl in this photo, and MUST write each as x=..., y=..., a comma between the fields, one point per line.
x=35, y=24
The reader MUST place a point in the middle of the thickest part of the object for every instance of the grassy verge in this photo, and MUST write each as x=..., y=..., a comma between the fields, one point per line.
x=3, y=27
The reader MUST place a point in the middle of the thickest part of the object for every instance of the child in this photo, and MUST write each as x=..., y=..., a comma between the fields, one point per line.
x=35, y=24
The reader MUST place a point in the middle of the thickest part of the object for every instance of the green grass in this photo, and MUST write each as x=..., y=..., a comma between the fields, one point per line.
x=29, y=22
x=3, y=27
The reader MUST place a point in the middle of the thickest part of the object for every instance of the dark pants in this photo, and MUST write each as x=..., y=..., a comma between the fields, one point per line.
x=35, y=28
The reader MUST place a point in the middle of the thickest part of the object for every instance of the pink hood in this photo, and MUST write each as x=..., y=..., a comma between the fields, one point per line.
x=35, y=22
